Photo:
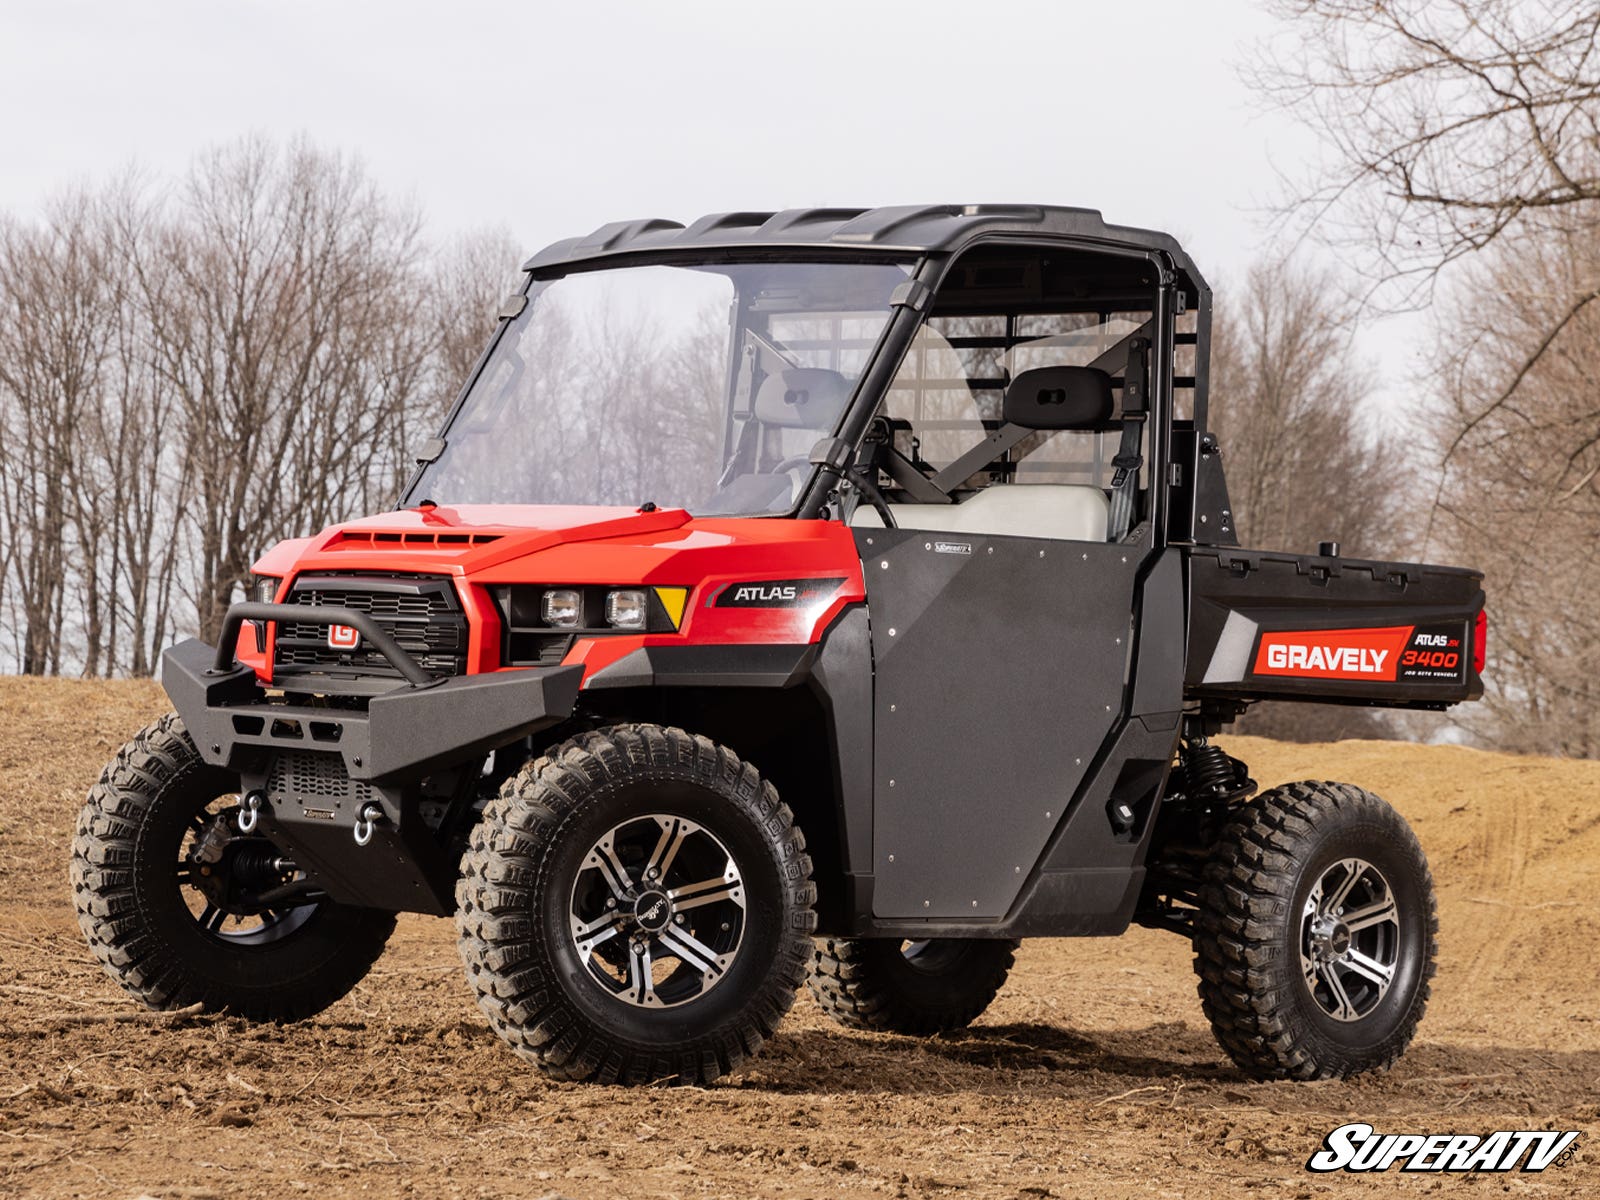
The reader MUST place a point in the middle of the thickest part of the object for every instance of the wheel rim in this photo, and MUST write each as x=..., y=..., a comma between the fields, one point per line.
x=658, y=911
x=214, y=882
x=1350, y=939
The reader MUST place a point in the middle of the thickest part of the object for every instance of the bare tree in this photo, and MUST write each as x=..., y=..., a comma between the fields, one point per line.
x=266, y=291
x=53, y=290
x=467, y=280
x=1522, y=497
x=1306, y=459
x=188, y=376
x=137, y=434
x=470, y=276
x=1450, y=126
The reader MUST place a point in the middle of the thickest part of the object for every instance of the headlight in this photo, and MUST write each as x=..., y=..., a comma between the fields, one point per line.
x=264, y=588
x=563, y=607
x=628, y=609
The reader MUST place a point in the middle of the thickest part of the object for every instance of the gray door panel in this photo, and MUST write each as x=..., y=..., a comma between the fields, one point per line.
x=999, y=668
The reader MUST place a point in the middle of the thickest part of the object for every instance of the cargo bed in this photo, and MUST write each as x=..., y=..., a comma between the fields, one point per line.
x=1270, y=625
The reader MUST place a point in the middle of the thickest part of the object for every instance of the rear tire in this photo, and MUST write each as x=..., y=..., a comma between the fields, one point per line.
x=616, y=854
x=924, y=988
x=1316, y=936
x=136, y=910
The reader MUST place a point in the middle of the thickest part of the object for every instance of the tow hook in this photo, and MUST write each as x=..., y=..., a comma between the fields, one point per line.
x=249, y=811
x=371, y=813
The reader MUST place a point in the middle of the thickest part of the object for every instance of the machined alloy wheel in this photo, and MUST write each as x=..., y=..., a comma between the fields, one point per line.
x=1314, y=942
x=636, y=906
x=658, y=911
x=1350, y=939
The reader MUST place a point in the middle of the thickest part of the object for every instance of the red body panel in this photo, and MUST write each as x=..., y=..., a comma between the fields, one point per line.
x=483, y=545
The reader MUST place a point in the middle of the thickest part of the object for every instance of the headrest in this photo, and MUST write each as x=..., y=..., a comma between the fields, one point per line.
x=802, y=398
x=1060, y=398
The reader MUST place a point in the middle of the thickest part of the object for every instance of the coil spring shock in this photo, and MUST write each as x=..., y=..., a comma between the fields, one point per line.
x=1211, y=772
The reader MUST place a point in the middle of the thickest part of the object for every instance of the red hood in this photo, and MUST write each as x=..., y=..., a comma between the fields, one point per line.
x=486, y=546
x=461, y=539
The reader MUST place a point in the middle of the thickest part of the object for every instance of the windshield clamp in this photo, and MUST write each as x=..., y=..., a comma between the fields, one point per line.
x=912, y=294
x=832, y=453
x=429, y=451
x=512, y=307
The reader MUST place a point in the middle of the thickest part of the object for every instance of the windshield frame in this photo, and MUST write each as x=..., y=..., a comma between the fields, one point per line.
x=889, y=345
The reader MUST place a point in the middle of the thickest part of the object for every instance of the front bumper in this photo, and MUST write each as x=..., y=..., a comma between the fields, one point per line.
x=402, y=734
x=317, y=768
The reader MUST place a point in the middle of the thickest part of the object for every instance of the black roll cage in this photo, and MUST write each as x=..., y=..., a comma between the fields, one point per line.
x=910, y=307
x=909, y=315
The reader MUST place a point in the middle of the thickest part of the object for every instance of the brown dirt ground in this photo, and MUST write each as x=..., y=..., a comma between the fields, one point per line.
x=1094, y=1070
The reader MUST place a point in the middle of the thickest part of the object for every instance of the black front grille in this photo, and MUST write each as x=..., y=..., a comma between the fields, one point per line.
x=302, y=776
x=419, y=612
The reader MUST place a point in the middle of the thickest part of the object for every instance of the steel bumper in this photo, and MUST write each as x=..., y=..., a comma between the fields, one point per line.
x=341, y=788
x=403, y=733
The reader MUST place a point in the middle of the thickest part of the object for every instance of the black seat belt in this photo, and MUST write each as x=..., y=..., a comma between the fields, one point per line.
x=1125, y=482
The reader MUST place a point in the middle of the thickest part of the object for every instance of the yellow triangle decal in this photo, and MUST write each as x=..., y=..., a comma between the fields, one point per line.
x=673, y=599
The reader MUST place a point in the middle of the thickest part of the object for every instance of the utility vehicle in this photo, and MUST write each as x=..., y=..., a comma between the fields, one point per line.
x=829, y=594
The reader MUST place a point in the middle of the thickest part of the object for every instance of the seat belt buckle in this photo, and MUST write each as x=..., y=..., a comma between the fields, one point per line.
x=1124, y=463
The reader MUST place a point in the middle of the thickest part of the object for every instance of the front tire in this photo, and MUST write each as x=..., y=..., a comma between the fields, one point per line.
x=1316, y=938
x=171, y=942
x=636, y=905
x=917, y=988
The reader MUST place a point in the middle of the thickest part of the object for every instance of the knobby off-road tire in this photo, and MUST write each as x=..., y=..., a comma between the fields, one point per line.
x=592, y=967
x=1291, y=990
x=127, y=866
x=921, y=988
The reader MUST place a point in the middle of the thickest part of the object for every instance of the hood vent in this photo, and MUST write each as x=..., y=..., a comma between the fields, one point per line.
x=418, y=541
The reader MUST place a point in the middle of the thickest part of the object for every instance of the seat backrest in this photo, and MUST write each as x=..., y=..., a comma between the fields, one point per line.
x=1061, y=512
x=802, y=398
x=1060, y=398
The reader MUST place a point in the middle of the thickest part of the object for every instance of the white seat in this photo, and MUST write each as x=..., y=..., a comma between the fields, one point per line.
x=1061, y=512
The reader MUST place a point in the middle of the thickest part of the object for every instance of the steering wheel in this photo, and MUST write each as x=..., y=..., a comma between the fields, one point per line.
x=793, y=463
x=862, y=481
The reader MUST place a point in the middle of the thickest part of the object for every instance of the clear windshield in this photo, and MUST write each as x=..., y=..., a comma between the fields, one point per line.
x=702, y=387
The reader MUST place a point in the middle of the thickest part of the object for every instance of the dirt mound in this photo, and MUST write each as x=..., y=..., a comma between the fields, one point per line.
x=1094, y=1068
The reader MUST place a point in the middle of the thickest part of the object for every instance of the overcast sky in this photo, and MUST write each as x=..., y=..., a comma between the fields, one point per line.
x=550, y=119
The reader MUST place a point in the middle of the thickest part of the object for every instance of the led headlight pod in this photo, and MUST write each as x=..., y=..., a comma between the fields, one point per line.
x=563, y=607
x=628, y=608
x=263, y=590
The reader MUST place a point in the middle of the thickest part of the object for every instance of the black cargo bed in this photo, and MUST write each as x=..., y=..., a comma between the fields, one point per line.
x=1268, y=625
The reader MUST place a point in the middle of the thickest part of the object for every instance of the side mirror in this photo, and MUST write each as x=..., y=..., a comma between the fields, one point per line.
x=1060, y=398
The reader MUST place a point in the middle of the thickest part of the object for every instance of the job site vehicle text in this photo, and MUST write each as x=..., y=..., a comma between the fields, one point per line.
x=841, y=594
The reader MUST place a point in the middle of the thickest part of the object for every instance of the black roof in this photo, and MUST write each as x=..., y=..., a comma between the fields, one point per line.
x=914, y=228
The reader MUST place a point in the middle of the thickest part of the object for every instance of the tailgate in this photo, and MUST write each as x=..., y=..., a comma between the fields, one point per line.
x=1266, y=625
